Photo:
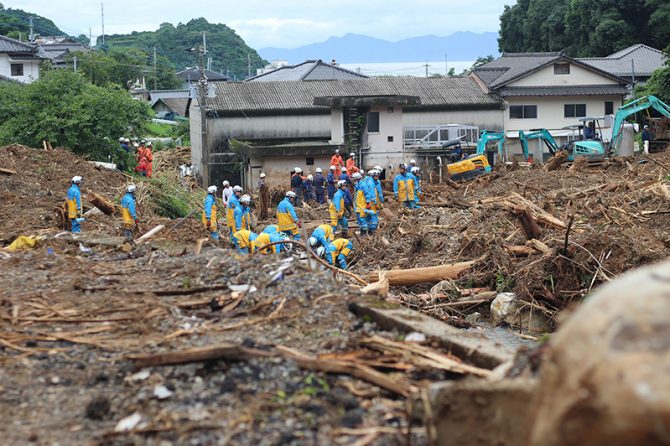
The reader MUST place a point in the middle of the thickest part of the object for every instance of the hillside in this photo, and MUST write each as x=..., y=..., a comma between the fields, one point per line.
x=228, y=51
x=356, y=48
x=14, y=21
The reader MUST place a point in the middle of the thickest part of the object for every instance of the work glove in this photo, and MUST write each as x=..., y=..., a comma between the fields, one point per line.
x=368, y=205
x=209, y=224
x=299, y=225
x=137, y=221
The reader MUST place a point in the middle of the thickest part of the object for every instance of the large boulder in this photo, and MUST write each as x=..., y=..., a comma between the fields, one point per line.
x=606, y=377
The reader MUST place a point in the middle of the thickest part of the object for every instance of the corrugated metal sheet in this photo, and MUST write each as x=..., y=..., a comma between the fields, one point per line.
x=310, y=70
x=581, y=90
x=299, y=95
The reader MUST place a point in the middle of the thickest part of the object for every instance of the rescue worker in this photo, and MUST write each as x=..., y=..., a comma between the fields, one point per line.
x=261, y=180
x=297, y=184
x=233, y=202
x=416, y=173
x=372, y=203
x=378, y=187
x=271, y=229
x=226, y=193
x=265, y=239
x=403, y=187
x=321, y=236
x=646, y=139
x=412, y=164
x=345, y=176
x=337, y=209
x=332, y=180
x=319, y=186
x=337, y=252
x=351, y=164
x=308, y=189
x=139, y=151
x=73, y=201
x=149, y=157
x=243, y=241
x=129, y=212
x=287, y=219
x=337, y=161
x=209, y=214
x=242, y=214
x=141, y=167
x=360, y=201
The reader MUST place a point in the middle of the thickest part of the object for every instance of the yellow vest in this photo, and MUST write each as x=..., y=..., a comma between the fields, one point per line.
x=406, y=190
x=213, y=220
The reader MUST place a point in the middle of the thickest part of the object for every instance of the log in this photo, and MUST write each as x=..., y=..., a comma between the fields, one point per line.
x=538, y=213
x=520, y=251
x=7, y=171
x=528, y=223
x=101, y=203
x=556, y=161
x=380, y=288
x=199, y=354
x=432, y=274
x=149, y=234
x=544, y=249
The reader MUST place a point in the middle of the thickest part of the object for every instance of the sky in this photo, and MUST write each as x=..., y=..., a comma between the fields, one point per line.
x=281, y=24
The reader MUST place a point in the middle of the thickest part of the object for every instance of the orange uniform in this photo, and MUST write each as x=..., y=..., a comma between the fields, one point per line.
x=149, y=157
x=337, y=161
x=351, y=166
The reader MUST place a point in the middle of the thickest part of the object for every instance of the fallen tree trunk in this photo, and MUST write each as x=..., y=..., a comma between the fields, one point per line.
x=101, y=203
x=7, y=171
x=555, y=162
x=528, y=223
x=432, y=274
x=149, y=234
x=200, y=354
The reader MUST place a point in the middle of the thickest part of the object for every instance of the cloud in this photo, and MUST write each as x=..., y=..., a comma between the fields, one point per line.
x=276, y=31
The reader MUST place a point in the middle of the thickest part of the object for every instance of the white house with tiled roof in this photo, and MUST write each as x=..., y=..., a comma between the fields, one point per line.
x=19, y=61
x=635, y=63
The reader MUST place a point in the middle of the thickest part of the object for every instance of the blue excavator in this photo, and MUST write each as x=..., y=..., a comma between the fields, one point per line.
x=631, y=108
x=593, y=150
x=477, y=164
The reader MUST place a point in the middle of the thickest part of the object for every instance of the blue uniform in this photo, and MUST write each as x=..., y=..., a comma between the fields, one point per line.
x=287, y=219
x=297, y=186
x=337, y=252
x=233, y=203
x=323, y=235
x=379, y=189
x=372, y=197
x=129, y=214
x=331, y=184
x=336, y=211
x=308, y=189
x=404, y=189
x=242, y=218
x=210, y=214
x=417, y=189
x=319, y=187
x=271, y=229
x=74, y=206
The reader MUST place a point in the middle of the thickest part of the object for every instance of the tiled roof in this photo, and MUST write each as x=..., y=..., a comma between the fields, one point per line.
x=168, y=94
x=177, y=105
x=459, y=92
x=311, y=70
x=646, y=59
x=579, y=90
x=9, y=45
x=513, y=65
x=193, y=74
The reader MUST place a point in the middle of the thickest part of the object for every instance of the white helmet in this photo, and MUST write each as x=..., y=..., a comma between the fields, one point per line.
x=126, y=140
x=226, y=183
x=412, y=161
x=318, y=170
x=373, y=172
x=310, y=177
x=290, y=194
x=341, y=183
x=344, y=169
x=332, y=167
x=246, y=199
x=352, y=155
x=237, y=189
x=135, y=145
x=76, y=179
x=262, y=175
x=121, y=139
x=211, y=189
x=415, y=169
x=131, y=188
x=379, y=168
x=149, y=144
x=337, y=151
x=320, y=251
x=312, y=241
x=356, y=176
x=297, y=170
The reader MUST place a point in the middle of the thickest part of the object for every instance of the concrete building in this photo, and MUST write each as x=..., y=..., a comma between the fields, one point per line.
x=551, y=91
x=276, y=126
x=20, y=61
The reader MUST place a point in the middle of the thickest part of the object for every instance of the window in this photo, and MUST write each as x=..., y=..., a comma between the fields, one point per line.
x=17, y=69
x=561, y=68
x=373, y=122
x=389, y=110
x=389, y=138
x=574, y=110
x=523, y=111
x=309, y=160
x=609, y=107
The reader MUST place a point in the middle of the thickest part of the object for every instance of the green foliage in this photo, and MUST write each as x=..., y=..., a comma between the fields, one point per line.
x=18, y=21
x=583, y=28
x=658, y=85
x=65, y=109
x=158, y=130
x=124, y=66
x=227, y=50
x=503, y=283
x=170, y=199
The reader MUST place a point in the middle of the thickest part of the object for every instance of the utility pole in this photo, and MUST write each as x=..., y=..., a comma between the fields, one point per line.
x=102, y=12
x=90, y=37
x=155, y=71
x=202, y=98
x=426, y=65
x=74, y=60
x=446, y=65
x=31, y=36
x=248, y=65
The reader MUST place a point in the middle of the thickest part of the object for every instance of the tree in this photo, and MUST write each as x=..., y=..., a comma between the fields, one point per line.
x=65, y=109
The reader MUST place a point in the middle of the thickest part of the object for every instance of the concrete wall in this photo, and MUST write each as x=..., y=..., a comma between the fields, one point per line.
x=484, y=119
x=577, y=76
x=278, y=169
x=31, y=69
x=336, y=126
x=273, y=127
x=196, y=147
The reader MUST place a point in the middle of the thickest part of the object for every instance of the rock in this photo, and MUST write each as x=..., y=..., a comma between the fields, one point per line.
x=604, y=380
x=507, y=308
x=98, y=408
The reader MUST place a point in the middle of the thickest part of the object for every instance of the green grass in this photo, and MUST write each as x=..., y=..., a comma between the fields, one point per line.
x=159, y=130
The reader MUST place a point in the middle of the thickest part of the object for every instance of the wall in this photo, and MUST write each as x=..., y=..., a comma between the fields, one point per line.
x=274, y=127
x=31, y=70
x=278, y=170
x=484, y=119
x=196, y=147
x=381, y=149
x=577, y=76
x=336, y=126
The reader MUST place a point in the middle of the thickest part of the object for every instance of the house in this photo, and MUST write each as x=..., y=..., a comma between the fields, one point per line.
x=169, y=104
x=311, y=70
x=275, y=126
x=550, y=90
x=57, y=48
x=191, y=76
x=635, y=63
x=20, y=61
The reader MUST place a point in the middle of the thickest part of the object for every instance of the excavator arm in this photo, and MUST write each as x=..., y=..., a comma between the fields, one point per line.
x=487, y=137
x=630, y=109
x=542, y=134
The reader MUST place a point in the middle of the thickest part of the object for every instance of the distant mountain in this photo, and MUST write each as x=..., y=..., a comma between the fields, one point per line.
x=357, y=48
x=230, y=54
x=15, y=21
